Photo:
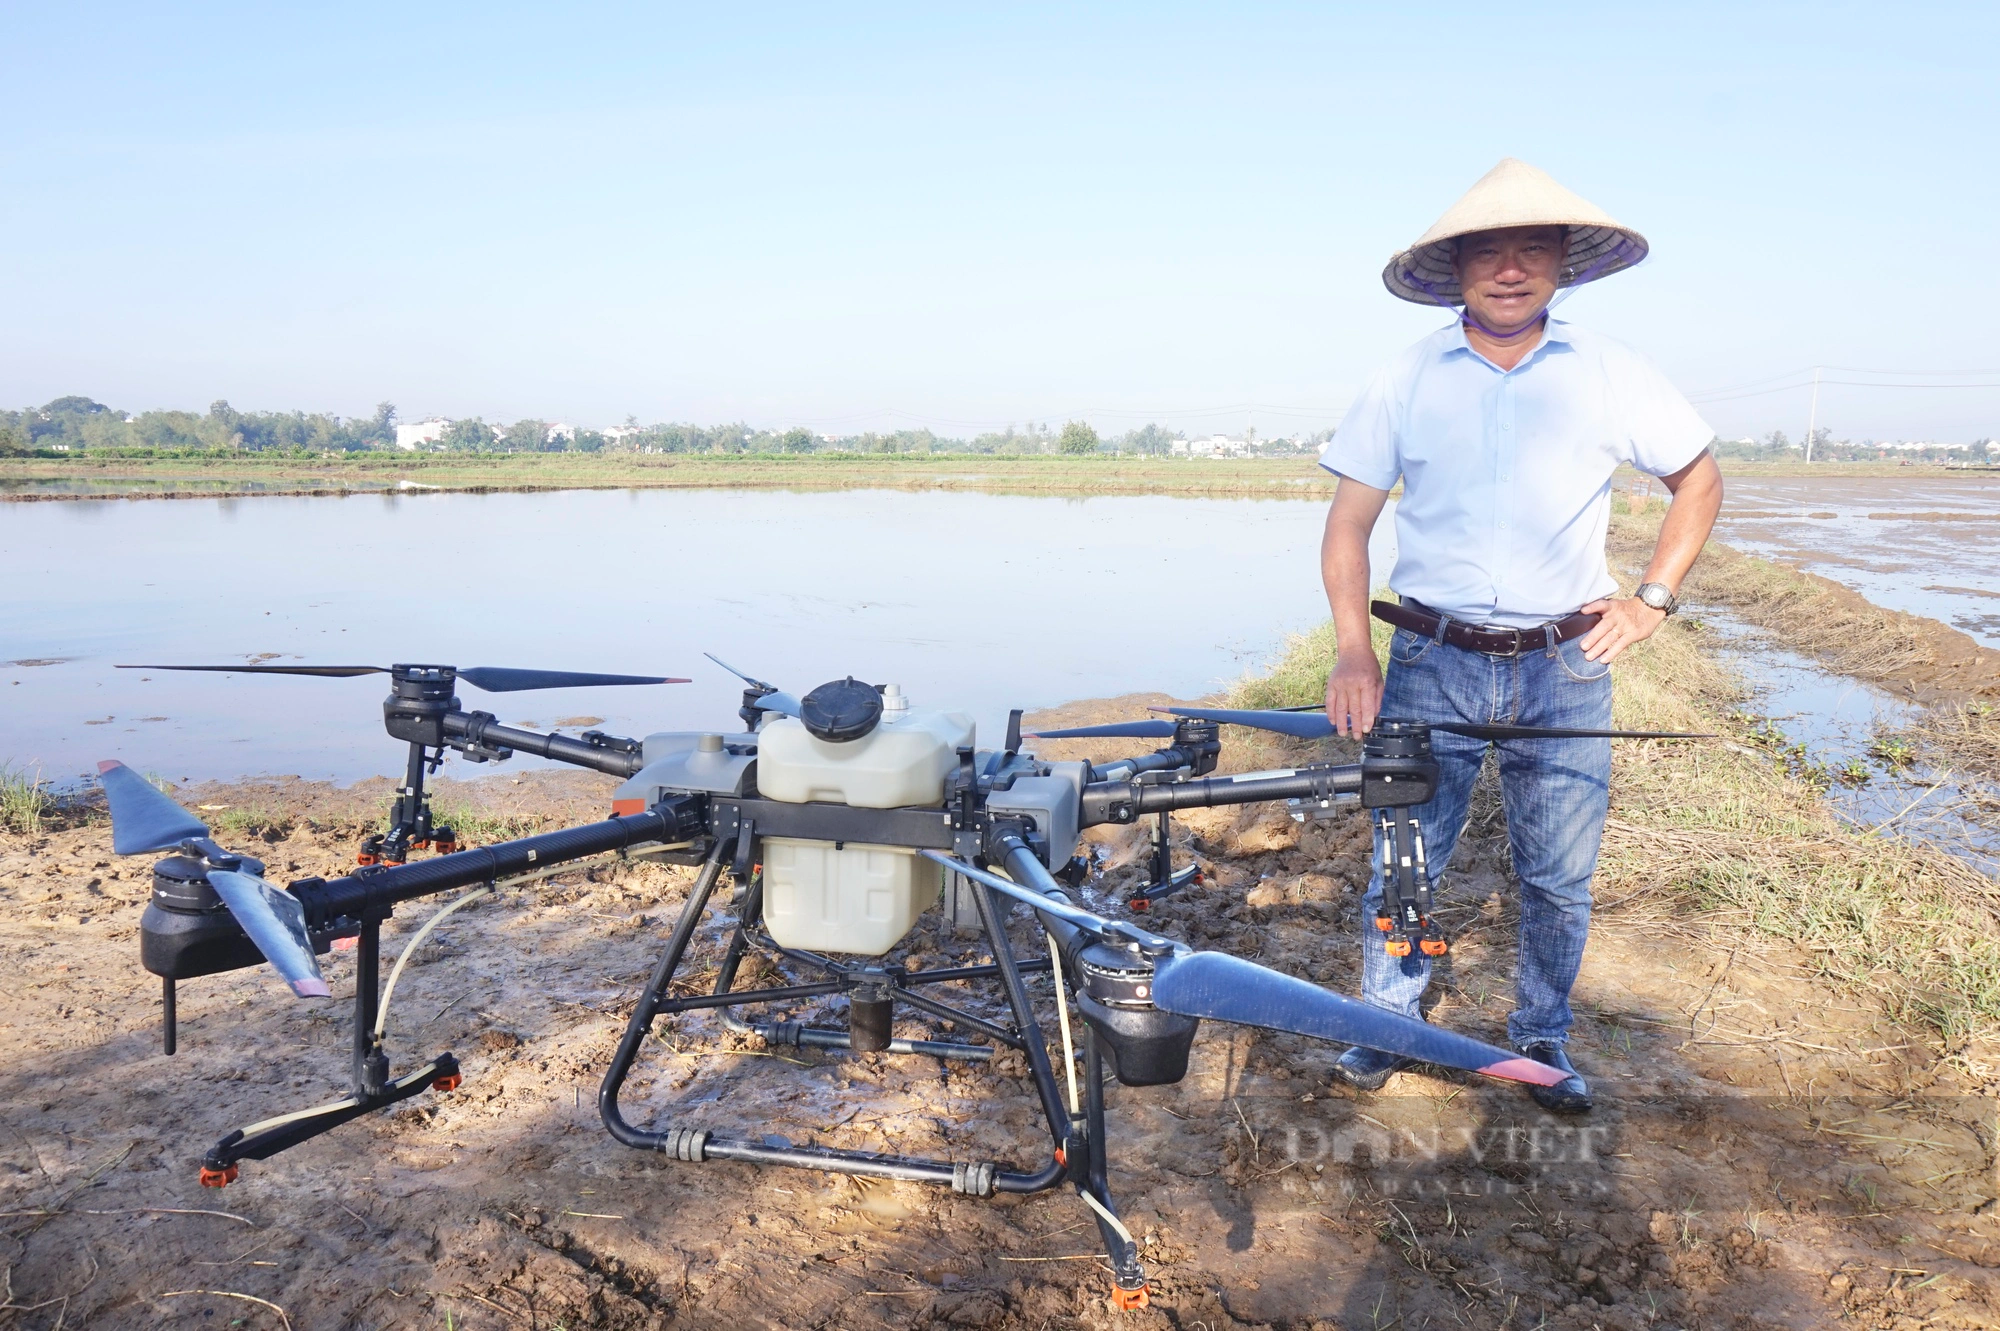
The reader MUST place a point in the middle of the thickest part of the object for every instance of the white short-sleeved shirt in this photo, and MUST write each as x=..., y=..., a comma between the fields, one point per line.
x=1507, y=473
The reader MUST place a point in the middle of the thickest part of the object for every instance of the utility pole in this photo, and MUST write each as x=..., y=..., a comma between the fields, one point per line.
x=1812, y=421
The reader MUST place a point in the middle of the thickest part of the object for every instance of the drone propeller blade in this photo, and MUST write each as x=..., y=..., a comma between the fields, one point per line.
x=1502, y=731
x=276, y=923
x=1313, y=724
x=1302, y=725
x=1115, y=730
x=751, y=680
x=500, y=679
x=1220, y=987
x=142, y=818
x=328, y=672
x=775, y=699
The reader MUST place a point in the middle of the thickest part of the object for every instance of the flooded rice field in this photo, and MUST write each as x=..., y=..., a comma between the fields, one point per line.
x=1928, y=544
x=980, y=602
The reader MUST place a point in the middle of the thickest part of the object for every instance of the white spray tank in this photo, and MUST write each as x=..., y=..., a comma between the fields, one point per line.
x=853, y=745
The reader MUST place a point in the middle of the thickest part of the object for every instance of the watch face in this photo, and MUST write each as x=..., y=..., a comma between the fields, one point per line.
x=1656, y=596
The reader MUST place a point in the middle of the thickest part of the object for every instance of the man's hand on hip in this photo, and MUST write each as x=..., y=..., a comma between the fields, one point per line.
x=1354, y=693
x=1625, y=621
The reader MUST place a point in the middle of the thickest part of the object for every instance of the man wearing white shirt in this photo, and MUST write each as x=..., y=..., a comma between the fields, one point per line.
x=1505, y=428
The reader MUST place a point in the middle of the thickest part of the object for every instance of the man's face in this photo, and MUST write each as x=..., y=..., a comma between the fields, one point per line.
x=1509, y=276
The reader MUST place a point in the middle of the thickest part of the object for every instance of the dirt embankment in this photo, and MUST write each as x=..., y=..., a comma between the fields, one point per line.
x=1768, y=1151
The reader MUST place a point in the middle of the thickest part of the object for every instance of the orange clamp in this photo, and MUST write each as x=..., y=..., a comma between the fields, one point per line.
x=1139, y=903
x=450, y=1082
x=217, y=1178
x=1397, y=947
x=1129, y=1300
x=363, y=857
x=1384, y=923
x=1434, y=947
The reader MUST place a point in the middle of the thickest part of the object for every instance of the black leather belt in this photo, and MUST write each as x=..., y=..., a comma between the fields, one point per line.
x=1424, y=622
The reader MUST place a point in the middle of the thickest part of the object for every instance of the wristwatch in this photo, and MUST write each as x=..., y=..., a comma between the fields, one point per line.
x=1656, y=595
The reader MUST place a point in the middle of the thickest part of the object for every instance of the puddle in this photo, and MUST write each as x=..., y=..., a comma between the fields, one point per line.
x=1828, y=728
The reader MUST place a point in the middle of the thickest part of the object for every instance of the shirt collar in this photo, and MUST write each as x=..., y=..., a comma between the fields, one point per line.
x=1555, y=332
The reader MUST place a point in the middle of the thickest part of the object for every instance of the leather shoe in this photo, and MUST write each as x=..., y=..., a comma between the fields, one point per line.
x=1571, y=1095
x=1369, y=1069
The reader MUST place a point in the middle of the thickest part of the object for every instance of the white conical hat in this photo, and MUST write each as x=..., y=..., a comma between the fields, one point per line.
x=1513, y=194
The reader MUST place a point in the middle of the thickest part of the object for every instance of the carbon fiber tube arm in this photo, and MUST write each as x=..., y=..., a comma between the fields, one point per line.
x=1127, y=801
x=481, y=730
x=375, y=889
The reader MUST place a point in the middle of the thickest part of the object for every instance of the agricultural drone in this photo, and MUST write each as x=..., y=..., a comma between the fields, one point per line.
x=841, y=817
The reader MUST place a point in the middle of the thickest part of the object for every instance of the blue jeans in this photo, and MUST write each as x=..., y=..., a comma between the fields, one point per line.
x=1555, y=793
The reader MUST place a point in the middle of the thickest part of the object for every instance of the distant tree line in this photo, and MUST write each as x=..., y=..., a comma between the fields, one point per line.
x=76, y=424
x=81, y=424
x=1778, y=446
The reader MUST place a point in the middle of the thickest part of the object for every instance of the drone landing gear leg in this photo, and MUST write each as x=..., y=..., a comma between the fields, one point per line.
x=1165, y=881
x=373, y=1089
x=695, y=1145
x=1406, y=888
x=410, y=825
x=1128, y=1278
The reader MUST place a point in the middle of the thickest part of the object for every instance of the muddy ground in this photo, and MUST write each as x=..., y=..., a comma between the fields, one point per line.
x=1766, y=1152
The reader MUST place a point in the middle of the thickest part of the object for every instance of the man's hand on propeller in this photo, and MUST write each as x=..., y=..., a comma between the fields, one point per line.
x=1354, y=693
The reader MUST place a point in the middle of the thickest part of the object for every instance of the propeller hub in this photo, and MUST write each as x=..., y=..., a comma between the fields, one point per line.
x=420, y=697
x=1117, y=977
x=1398, y=739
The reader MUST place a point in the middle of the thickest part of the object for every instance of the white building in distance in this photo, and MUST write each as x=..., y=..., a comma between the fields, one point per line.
x=1215, y=446
x=411, y=437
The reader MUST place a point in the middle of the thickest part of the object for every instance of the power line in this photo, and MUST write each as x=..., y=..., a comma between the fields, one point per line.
x=1807, y=374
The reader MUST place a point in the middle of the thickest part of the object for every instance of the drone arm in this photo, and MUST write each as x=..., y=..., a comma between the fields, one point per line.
x=677, y=819
x=1127, y=801
x=479, y=729
x=1165, y=760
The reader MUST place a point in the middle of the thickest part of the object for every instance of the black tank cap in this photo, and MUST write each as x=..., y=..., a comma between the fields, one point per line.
x=841, y=710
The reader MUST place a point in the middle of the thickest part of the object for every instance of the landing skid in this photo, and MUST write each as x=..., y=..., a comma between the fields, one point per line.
x=1076, y=1139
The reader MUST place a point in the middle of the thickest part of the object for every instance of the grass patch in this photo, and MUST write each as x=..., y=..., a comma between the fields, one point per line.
x=24, y=801
x=478, y=827
x=248, y=822
x=1964, y=739
x=1738, y=831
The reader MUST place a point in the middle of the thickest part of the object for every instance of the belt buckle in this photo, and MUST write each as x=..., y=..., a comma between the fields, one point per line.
x=1519, y=643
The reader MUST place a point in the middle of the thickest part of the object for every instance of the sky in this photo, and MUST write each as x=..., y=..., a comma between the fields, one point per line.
x=967, y=217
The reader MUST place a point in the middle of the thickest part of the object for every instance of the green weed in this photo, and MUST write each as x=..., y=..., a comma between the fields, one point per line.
x=24, y=801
